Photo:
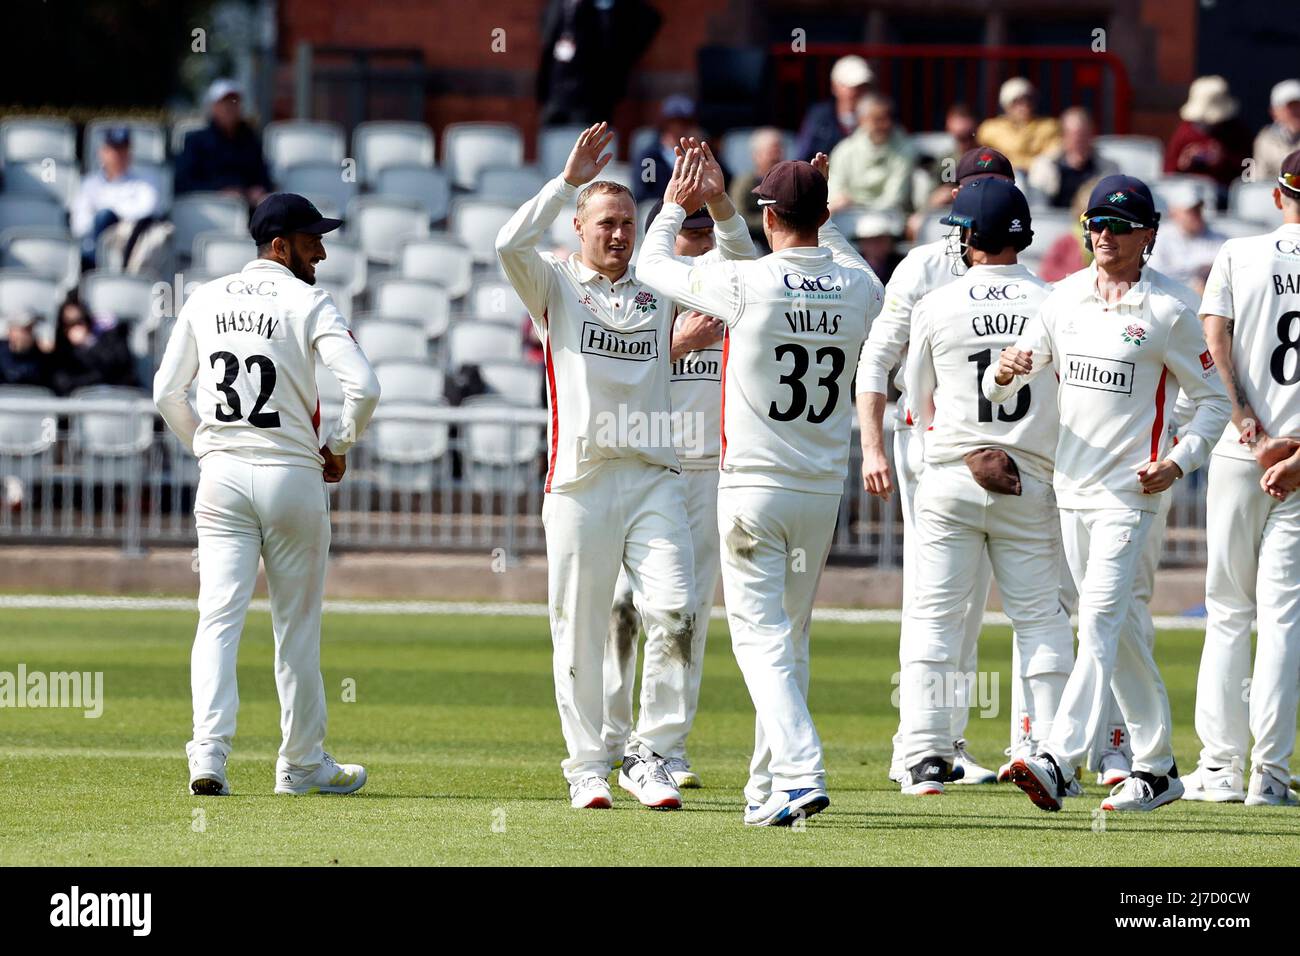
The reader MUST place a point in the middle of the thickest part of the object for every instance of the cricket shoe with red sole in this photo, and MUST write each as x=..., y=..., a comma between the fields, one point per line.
x=926, y=778
x=590, y=793
x=1043, y=782
x=1113, y=768
x=1142, y=792
x=330, y=777
x=648, y=779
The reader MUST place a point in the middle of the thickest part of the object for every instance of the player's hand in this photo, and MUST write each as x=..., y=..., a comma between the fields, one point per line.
x=585, y=161
x=1158, y=476
x=1013, y=362
x=712, y=182
x=685, y=186
x=335, y=465
x=875, y=473
x=822, y=163
x=695, y=330
x=1269, y=451
x=1281, y=478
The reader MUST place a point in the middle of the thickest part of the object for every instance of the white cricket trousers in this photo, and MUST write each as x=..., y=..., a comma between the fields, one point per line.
x=909, y=464
x=1104, y=548
x=631, y=515
x=958, y=525
x=280, y=514
x=774, y=545
x=701, y=489
x=1253, y=541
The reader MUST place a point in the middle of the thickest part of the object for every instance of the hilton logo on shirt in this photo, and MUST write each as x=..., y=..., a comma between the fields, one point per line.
x=704, y=365
x=640, y=346
x=1102, y=374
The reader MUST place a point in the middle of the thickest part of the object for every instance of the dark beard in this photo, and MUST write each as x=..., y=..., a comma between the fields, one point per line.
x=301, y=268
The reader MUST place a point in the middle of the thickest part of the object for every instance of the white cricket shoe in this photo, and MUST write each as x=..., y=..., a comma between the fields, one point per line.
x=926, y=778
x=649, y=781
x=1024, y=747
x=330, y=777
x=1267, y=790
x=590, y=793
x=1114, y=768
x=207, y=772
x=896, y=770
x=1043, y=781
x=1139, y=793
x=784, y=807
x=965, y=769
x=679, y=768
x=1215, y=784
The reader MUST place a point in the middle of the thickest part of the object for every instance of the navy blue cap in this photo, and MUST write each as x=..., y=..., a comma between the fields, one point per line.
x=118, y=136
x=995, y=211
x=700, y=219
x=280, y=214
x=1124, y=196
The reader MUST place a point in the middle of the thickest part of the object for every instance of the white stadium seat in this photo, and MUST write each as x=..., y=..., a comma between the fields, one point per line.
x=1140, y=156
x=31, y=211
x=473, y=343
x=161, y=175
x=181, y=128
x=115, y=439
x=736, y=154
x=410, y=382
x=1202, y=187
x=407, y=453
x=194, y=213
x=515, y=382
x=148, y=141
x=24, y=433
x=323, y=183
x=31, y=139
x=496, y=299
x=220, y=253
x=1254, y=201
x=379, y=144
x=425, y=304
x=22, y=291
x=509, y=184
x=554, y=143
x=53, y=180
x=380, y=225
x=1235, y=228
x=438, y=259
x=287, y=143
x=469, y=147
x=392, y=341
x=49, y=253
x=426, y=185
x=476, y=224
x=344, y=266
x=129, y=297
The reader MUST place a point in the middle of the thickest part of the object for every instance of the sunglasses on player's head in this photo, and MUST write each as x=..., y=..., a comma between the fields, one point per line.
x=1117, y=226
x=1290, y=181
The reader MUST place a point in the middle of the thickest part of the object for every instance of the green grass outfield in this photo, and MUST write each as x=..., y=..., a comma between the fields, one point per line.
x=455, y=719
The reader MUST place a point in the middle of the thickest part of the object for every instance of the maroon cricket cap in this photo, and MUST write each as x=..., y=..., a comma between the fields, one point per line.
x=1289, y=176
x=983, y=161
x=793, y=188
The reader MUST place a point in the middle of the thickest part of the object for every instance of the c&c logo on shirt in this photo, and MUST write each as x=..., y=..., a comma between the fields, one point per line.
x=810, y=284
x=1102, y=374
x=1288, y=247
x=642, y=346
x=997, y=293
x=240, y=287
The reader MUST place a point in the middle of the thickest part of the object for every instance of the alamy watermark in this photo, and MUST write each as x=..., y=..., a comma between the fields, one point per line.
x=83, y=690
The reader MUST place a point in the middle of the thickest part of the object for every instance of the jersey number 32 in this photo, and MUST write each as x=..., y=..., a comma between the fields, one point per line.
x=233, y=411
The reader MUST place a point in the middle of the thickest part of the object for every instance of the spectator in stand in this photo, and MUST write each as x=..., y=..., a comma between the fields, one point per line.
x=89, y=352
x=1186, y=245
x=22, y=362
x=588, y=50
x=1068, y=254
x=226, y=155
x=873, y=167
x=1281, y=137
x=767, y=149
x=1019, y=134
x=828, y=122
x=114, y=197
x=1058, y=174
x=654, y=167
x=959, y=123
x=876, y=236
x=1210, y=140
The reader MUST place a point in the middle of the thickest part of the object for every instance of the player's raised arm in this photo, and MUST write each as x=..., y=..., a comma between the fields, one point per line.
x=517, y=241
x=342, y=356
x=712, y=288
x=171, y=384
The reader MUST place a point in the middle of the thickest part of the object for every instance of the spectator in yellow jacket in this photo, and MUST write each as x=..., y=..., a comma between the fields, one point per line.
x=1018, y=134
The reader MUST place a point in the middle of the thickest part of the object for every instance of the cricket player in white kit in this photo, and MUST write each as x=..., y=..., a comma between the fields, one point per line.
x=696, y=394
x=986, y=490
x=614, y=496
x=1251, y=311
x=251, y=338
x=1115, y=334
x=796, y=320
x=925, y=268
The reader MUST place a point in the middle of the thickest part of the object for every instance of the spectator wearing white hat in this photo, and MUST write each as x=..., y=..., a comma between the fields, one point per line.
x=226, y=155
x=1210, y=140
x=1281, y=137
x=872, y=169
x=1018, y=133
x=828, y=122
x=1186, y=245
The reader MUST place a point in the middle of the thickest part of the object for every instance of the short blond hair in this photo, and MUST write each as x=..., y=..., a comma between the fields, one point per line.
x=601, y=187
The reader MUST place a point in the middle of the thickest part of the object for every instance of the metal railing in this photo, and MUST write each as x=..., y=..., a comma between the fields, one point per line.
x=467, y=478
